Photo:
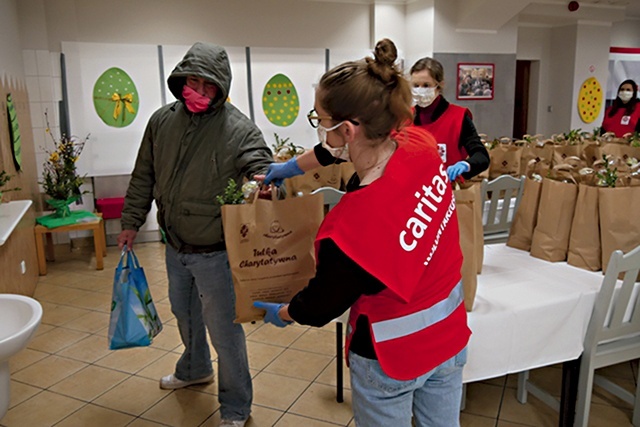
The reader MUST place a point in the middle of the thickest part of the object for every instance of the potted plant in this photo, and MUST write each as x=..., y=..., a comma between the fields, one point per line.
x=60, y=178
x=4, y=180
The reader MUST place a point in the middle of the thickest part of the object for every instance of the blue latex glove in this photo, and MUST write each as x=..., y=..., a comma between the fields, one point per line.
x=277, y=172
x=272, y=315
x=454, y=171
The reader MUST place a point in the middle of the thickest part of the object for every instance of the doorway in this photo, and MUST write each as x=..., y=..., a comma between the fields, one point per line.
x=521, y=99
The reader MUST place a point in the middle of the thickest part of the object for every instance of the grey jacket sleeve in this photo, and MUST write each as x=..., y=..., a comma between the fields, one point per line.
x=253, y=156
x=137, y=202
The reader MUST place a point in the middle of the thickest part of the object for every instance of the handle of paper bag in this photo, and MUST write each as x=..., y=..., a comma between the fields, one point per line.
x=274, y=194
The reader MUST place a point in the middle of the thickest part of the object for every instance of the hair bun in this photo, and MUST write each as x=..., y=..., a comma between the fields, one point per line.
x=385, y=52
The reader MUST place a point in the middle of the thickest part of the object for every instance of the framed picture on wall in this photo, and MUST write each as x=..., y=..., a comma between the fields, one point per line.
x=475, y=81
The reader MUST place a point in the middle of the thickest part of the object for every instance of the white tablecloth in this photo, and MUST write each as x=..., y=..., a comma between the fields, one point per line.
x=528, y=313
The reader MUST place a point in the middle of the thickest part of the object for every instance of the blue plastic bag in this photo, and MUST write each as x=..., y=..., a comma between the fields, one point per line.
x=134, y=319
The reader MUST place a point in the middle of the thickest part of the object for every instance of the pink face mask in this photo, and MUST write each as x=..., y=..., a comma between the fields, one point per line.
x=195, y=102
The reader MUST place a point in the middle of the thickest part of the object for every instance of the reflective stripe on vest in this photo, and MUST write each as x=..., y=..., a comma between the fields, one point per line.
x=412, y=323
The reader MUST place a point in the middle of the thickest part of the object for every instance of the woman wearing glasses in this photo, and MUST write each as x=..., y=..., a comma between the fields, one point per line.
x=459, y=145
x=397, y=269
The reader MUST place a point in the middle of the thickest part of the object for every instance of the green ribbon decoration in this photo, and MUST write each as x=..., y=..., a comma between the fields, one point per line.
x=14, y=133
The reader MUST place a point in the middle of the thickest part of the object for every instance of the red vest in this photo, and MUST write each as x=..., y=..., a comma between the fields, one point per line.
x=446, y=130
x=621, y=123
x=403, y=230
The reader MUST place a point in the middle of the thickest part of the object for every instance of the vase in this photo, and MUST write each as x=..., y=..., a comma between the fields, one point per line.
x=62, y=206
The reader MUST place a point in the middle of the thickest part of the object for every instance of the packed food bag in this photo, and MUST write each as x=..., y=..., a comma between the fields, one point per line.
x=467, y=207
x=550, y=240
x=584, y=241
x=505, y=159
x=270, y=249
x=526, y=217
x=619, y=227
x=327, y=176
x=540, y=152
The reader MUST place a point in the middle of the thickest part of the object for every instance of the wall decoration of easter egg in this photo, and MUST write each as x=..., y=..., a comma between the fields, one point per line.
x=280, y=101
x=590, y=100
x=115, y=98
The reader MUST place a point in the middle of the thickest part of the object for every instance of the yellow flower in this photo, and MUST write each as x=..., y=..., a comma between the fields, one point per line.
x=75, y=159
x=54, y=157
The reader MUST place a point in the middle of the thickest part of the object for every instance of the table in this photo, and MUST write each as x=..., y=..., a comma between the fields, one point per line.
x=99, y=241
x=529, y=313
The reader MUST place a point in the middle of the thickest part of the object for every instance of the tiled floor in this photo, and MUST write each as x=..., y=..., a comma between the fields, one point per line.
x=68, y=378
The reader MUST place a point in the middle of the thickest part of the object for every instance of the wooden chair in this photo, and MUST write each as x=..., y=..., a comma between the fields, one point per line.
x=613, y=336
x=331, y=198
x=498, y=195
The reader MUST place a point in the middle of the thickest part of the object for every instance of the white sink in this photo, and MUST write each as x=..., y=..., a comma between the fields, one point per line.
x=10, y=215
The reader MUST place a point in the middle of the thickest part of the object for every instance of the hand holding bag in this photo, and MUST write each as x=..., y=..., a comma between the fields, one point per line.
x=134, y=319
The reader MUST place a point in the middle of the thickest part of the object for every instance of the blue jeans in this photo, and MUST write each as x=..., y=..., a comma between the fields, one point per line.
x=433, y=399
x=201, y=294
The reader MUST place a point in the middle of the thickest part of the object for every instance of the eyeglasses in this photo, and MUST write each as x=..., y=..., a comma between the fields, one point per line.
x=314, y=119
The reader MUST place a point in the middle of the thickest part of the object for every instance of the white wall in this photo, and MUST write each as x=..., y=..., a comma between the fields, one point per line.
x=257, y=23
x=419, y=28
x=449, y=39
x=389, y=22
x=560, y=84
x=10, y=52
x=534, y=44
x=626, y=33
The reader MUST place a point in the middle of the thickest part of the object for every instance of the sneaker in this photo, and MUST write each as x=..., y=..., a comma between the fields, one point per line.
x=170, y=382
x=230, y=423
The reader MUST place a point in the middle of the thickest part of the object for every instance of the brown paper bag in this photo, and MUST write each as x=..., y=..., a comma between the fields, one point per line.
x=270, y=248
x=466, y=207
x=541, y=154
x=584, y=241
x=562, y=152
x=592, y=153
x=619, y=225
x=505, y=160
x=525, y=218
x=327, y=176
x=624, y=155
x=550, y=240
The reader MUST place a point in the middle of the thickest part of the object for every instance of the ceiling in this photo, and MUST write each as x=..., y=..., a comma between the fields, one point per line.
x=492, y=14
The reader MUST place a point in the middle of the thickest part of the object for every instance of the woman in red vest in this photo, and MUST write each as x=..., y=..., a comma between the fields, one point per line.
x=389, y=250
x=459, y=145
x=458, y=142
x=623, y=116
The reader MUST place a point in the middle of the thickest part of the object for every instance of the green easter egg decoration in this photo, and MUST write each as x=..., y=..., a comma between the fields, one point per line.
x=280, y=101
x=115, y=98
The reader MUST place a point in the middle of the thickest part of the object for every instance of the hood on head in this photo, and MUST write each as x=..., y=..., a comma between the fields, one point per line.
x=207, y=61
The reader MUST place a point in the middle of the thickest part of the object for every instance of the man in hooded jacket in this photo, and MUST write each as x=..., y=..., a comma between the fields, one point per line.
x=190, y=150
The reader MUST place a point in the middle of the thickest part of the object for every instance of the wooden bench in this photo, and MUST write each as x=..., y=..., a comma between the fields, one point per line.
x=99, y=241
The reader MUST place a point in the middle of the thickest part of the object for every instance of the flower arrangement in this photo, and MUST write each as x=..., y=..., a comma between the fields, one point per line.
x=60, y=178
x=284, y=150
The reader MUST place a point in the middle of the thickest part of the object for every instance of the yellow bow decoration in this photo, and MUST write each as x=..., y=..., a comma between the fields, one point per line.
x=119, y=100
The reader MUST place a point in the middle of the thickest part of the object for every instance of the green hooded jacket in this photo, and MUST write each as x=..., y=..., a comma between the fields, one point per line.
x=185, y=160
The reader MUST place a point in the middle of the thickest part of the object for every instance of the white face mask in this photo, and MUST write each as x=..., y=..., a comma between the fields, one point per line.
x=423, y=96
x=625, y=95
x=337, y=152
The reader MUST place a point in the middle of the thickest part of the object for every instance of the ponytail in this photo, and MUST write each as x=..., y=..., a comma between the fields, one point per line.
x=371, y=91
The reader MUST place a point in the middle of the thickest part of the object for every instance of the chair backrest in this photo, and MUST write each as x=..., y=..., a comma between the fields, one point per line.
x=501, y=195
x=331, y=196
x=616, y=313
